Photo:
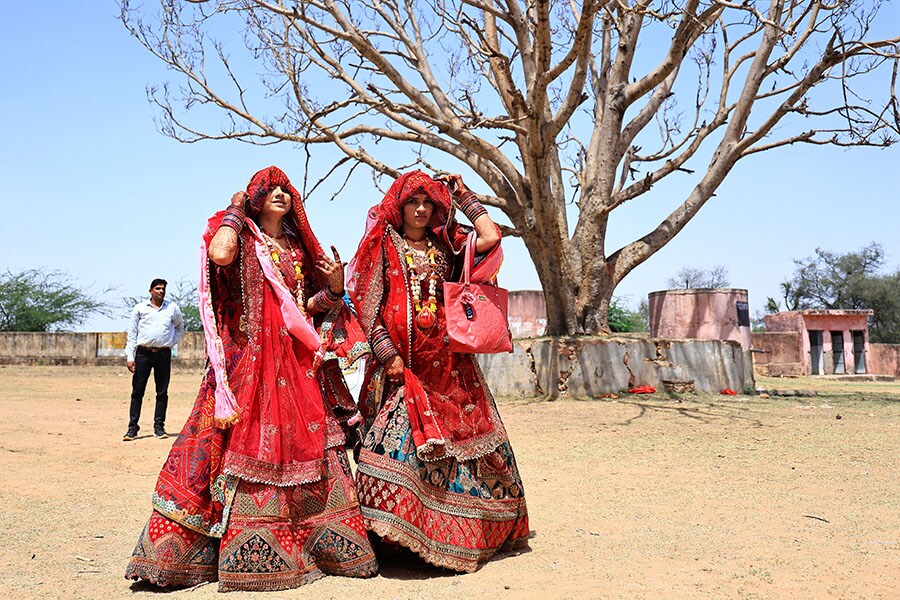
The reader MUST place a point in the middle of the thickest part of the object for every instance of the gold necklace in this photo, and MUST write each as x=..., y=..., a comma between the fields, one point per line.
x=291, y=253
x=426, y=314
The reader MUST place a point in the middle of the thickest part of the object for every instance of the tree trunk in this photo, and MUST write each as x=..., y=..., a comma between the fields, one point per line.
x=558, y=296
x=572, y=307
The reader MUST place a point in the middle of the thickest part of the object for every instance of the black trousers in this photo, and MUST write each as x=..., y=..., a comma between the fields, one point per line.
x=160, y=362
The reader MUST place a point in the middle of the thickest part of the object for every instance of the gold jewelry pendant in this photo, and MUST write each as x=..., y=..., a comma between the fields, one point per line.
x=425, y=319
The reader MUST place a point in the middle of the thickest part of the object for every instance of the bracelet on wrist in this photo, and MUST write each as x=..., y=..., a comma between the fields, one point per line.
x=325, y=300
x=238, y=226
x=234, y=218
x=471, y=207
x=382, y=345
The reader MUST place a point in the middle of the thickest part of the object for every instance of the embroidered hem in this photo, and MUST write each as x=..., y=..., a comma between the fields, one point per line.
x=434, y=450
x=252, y=582
x=259, y=471
x=222, y=491
x=398, y=535
x=174, y=576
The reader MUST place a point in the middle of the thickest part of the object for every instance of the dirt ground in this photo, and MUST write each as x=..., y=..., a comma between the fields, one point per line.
x=640, y=497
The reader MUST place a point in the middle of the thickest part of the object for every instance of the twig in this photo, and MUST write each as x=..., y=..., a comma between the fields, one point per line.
x=817, y=518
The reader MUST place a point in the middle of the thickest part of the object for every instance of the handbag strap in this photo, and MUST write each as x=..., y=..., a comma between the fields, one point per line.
x=469, y=257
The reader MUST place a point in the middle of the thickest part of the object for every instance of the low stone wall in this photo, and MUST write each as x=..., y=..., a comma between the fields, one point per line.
x=582, y=366
x=778, y=354
x=49, y=345
x=883, y=359
x=65, y=348
x=587, y=366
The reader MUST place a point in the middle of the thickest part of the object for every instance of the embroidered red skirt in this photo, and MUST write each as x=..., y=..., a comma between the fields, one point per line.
x=276, y=538
x=454, y=514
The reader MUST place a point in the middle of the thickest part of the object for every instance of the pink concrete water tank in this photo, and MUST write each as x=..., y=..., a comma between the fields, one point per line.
x=705, y=314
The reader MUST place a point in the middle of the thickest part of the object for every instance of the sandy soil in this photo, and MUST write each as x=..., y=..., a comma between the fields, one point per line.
x=641, y=497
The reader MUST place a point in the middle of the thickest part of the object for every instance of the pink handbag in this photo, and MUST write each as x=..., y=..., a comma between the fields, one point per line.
x=476, y=313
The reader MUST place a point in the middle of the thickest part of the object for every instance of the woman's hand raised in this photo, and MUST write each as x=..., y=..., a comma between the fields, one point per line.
x=454, y=183
x=239, y=199
x=333, y=271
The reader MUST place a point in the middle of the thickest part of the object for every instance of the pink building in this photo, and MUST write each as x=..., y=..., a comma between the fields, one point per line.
x=820, y=342
x=527, y=314
x=705, y=314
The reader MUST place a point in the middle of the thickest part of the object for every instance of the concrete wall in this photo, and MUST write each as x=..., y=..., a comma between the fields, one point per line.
x=708, y=314
x=49, y=345
x=783, y=321
x=579, y=367
x=192, y=347
x=884, y=359
x=105, y=348
x=776, y=354
x=584, y=367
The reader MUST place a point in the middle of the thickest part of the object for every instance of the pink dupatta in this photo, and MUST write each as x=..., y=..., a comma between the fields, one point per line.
x=298, y=324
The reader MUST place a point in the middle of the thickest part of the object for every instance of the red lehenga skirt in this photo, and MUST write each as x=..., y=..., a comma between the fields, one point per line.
x=209, y=526
x=453, y=513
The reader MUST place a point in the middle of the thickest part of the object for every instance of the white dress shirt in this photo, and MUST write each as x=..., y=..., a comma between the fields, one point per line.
x=153, y=327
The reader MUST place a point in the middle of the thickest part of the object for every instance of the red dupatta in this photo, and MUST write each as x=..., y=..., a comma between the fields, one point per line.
x=378, y=284
x=267, y=382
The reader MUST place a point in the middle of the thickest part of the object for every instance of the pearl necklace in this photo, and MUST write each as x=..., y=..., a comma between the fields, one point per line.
x=425, y=313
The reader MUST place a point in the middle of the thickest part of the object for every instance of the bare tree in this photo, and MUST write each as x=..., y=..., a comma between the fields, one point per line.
x=564, y=109
x=688, y=278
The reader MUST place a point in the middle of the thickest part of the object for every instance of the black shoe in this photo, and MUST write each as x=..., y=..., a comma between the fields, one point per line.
x=129, y=435
x=160, y=434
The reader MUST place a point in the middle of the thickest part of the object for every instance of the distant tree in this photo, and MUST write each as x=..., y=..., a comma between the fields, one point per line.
x=855, y=280
x=39, y=300
x=758, y=322
x=624, y=320
x=830, y=280
x=691, y=278
x=184, y=294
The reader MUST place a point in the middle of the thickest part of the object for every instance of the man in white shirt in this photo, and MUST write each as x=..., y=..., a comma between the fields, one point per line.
x=156, y=326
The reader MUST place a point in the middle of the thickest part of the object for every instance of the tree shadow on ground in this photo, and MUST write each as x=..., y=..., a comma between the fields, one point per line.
x=706, y=413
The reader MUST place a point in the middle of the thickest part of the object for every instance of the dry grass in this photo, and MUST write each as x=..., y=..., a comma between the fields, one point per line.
x=641, y=497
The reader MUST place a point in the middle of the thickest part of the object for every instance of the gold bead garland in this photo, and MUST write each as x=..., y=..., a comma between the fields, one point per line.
x=296, y=262
x=425, y=314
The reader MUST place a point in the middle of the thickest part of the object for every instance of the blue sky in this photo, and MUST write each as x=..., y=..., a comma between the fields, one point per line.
x=91, y=188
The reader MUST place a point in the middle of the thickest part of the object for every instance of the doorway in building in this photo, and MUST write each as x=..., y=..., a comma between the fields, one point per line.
x=815, y=352
x=859, y=351
x=837, y=352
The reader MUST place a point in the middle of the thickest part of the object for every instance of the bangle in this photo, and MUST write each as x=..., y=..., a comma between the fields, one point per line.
x=471, y=207
x=325, y=300
x=234, y=218
x=382, y=345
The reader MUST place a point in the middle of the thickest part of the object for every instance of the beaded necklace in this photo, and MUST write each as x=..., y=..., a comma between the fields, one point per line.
x=425, y=313
x=289, y=252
